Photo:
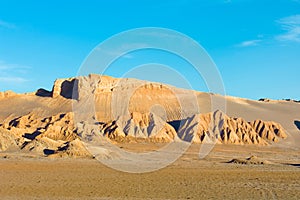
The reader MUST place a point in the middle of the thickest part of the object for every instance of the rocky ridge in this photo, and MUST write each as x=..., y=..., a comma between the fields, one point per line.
x=61, y=134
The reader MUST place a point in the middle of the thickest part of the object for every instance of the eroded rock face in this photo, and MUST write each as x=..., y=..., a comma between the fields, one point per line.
x=42, y=135
x=144, y=126
x=7, y=140
x=81, y=87
x=110, y=96
x=58, y=127
x=218, y=127
x=59, y=134
x=269, y=130
x=67, y=88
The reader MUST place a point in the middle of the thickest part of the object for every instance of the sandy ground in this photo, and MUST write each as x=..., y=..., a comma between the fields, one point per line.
x=24, y=176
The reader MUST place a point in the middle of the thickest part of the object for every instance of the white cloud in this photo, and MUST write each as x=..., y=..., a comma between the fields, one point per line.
x=121, y=51
x=7, y=24
x=7, y=66
x=291, y=26
x=12, y=73
x=12, y=79
x=249, y=43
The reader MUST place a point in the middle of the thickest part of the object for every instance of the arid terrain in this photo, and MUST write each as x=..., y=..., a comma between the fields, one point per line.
x=44, y=153
x=30, y=177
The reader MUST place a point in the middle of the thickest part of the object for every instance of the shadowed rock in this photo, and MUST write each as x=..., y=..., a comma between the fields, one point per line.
x=43, y=93
x=67, y=88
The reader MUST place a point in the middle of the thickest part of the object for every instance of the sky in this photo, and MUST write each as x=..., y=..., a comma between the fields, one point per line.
x=255, y=44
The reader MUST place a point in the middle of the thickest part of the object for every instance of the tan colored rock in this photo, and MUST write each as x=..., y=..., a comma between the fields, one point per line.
x=60, y=127
x=7, y=140
x=74, y=149
x=269, y=130
x=41, y=145
x=24, y=122
x=7, y=94
x=137, y=125
x=218, y=127
x=66, y=88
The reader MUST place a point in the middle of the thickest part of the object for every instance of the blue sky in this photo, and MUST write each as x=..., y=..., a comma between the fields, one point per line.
x=255, y=44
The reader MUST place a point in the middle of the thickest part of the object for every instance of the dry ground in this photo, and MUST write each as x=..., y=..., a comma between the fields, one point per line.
x=32, y=177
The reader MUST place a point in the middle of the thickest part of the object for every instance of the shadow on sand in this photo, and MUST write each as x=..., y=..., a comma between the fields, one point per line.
x=297, y=124
x=32, y=136
x=294, y=165
x=68, y=90
x=48, y=152
x=43, y=93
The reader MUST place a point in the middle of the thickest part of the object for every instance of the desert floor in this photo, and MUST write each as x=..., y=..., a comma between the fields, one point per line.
x=24, y=176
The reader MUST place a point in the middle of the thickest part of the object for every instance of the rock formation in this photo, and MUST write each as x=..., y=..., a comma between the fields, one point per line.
x=111, y=96
x=153, y=112
x=140, y=126
x=252, y=160
x=276, y=101
x=7, y=140
x=57, y=134
x=218, y=127
x=7, y=94
x=33, y=133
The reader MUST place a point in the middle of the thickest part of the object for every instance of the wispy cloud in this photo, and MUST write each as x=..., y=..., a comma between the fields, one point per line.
x=114, y=53
x=12, y=73
x=5, y=24
x=120, y=51
x=13, y=79
x=249, y=43
x=15, y=68
x=291, y=26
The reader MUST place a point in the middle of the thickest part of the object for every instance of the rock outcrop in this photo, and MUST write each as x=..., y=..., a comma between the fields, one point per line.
x=269, y=131
x=252, y=160
x=218, y=127
x=112, y=95
x=32, y=133
x=59, y=134
x=276, y=101
x=140, y=126
x=7, y=140
x=8, y=93
x=67, y=88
